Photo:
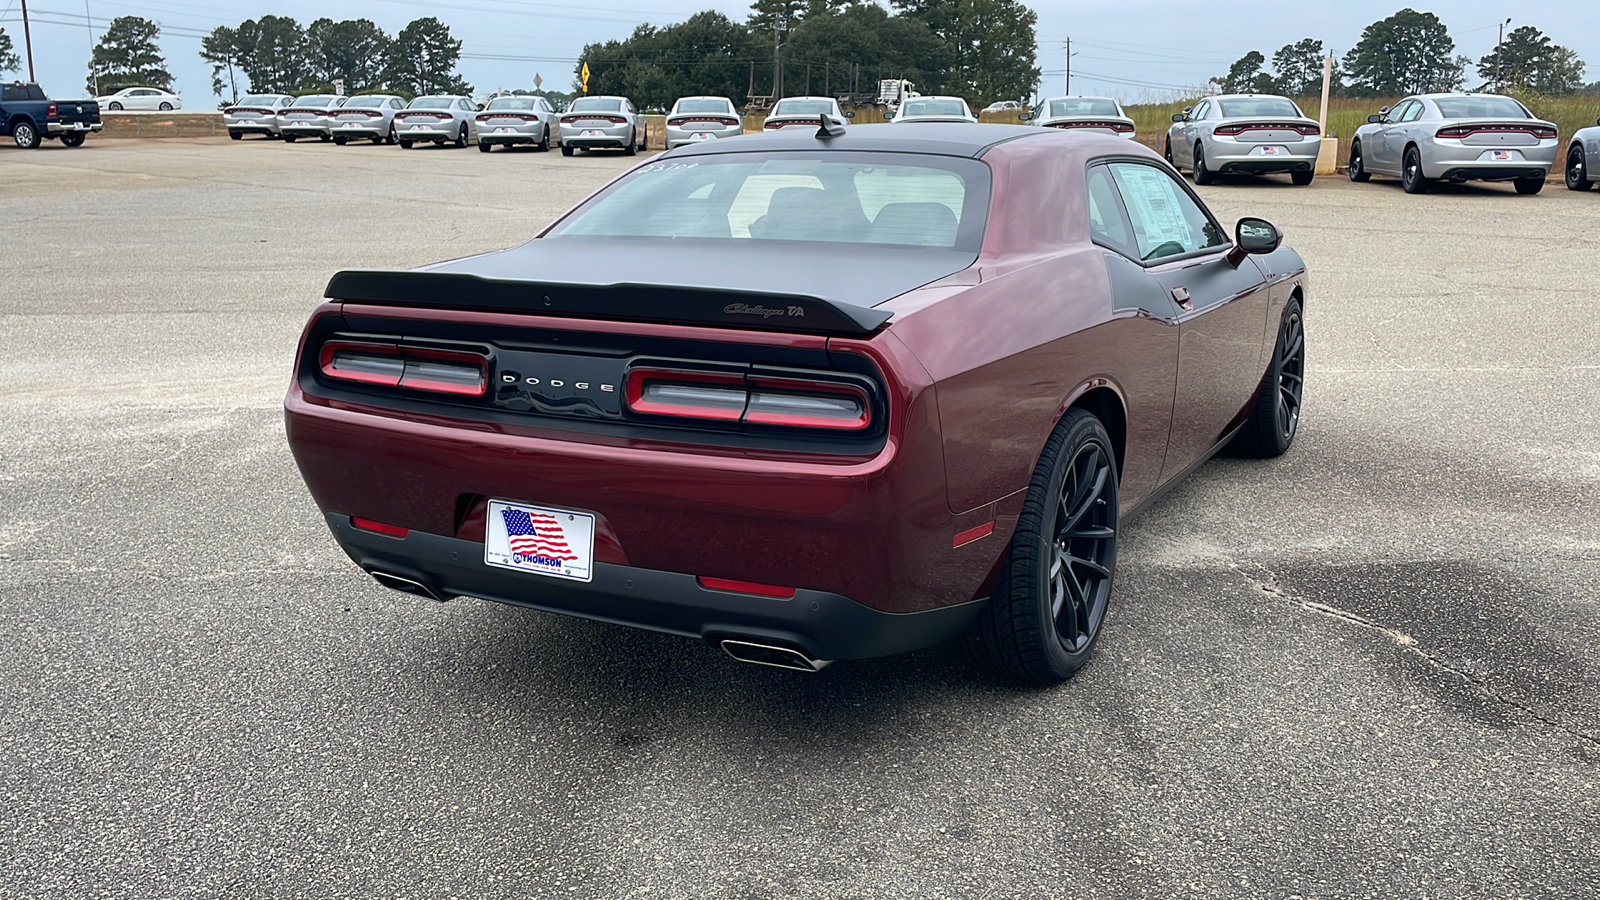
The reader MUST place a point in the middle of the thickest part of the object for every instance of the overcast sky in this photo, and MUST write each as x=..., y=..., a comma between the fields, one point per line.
x=1133, y=50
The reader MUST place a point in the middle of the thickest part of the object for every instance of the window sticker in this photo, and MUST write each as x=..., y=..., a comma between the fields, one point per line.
x=1153, y=201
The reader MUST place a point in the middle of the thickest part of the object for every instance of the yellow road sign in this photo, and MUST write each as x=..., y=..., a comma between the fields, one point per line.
x=585, y=78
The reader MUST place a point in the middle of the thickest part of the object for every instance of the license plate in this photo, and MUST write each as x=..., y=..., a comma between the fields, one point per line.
x=554, y=542
x=349, y=124
x=417, y=128
x=701, y=136
x=502, y=131
x=1501, y=156
x=592, y=133
x=1269, y=151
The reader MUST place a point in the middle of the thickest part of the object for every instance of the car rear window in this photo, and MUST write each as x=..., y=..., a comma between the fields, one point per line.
x=259, y=100
x=511, y=103
x=1259, y=106
x=365, y=102
x=1083, y=106
x=702, y=106
x=1480, y=108
x=595, y=104
x=933, y=108
x=802, y=108
x=853, y=198
x=315, y=100
x=431, y=103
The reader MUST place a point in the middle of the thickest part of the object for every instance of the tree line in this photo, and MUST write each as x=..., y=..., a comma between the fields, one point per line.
x=979, y=49
x=1412, y=52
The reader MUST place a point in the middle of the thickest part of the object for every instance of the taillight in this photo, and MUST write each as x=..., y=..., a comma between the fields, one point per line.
x=1543, y=132
x=1122, y=128
x=410, y=368
x=50, y=111
x=752, y=399
x=772, y=126
x=394, y=531
x=1297, y=127
x=1228, y=129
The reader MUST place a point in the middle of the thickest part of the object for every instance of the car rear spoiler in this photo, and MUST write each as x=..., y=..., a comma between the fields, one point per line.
x=668, y=304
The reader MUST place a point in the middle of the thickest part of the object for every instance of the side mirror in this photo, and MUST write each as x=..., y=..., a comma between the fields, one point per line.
x=1180, y=117
x=1024, y=117
x=850, y=115
x=1374, y=119
x=1383, y=111
x=1251, y=236
x=1597, y=121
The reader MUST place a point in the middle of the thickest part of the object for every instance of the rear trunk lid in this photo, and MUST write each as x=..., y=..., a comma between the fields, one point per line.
x=1499, y=133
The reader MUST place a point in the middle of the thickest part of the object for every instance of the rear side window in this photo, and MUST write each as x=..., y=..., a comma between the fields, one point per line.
x=856, y=198
x=13, y=93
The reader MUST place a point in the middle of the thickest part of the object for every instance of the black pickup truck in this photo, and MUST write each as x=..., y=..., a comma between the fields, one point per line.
x=29, y=116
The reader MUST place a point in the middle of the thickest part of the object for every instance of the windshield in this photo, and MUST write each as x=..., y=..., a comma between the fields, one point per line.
x=365, y=102
x=259, y=99
x=431, y=103
x=1084, y=106
x=511, y=103
x=596, y=104
x=315, y=100
x=934, y=106
x=853, y=198
x=1480, y=108
x=703, y=105
x=802, y=108
x=1259, y=106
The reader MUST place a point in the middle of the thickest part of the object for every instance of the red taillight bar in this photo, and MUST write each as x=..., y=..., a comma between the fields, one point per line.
x=795, y=403
x=1460, y=131
x=411, y=368
x=750, y=399
x=722, y=388
x=1301, y=128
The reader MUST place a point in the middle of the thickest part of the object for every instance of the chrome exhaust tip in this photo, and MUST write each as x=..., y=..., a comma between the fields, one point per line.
x=771, y=655
x=406, y=585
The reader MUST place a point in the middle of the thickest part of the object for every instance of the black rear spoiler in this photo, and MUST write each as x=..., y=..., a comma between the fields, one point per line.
x=749, y=310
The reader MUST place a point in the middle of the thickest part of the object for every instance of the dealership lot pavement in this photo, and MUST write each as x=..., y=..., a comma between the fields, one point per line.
x=1367, y=668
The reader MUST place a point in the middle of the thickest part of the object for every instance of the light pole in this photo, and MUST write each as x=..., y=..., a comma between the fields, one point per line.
x=1499, y=61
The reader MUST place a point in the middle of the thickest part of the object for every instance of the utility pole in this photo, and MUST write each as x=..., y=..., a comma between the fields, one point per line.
x=1499, y=59
x=89, y=24
x=777, y=64
x=1066, y=87
x=27, y=40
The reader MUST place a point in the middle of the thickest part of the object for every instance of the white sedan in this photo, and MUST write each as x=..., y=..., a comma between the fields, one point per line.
x=140, y=98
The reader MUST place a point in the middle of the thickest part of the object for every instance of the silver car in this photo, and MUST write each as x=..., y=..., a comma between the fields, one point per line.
x=255, y=114
x=369, y=116
x=1094, y=114
x=695, y=119
x=307, y=117
x=934, y=109
x=804, y=111
x=1258, y=134
x=1455, y=137
x=596, y=123
x=439, y=119
x=509, y=121
x=1583, y=158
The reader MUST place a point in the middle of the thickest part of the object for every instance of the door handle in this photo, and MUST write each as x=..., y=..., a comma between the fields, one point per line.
x=1181, y=296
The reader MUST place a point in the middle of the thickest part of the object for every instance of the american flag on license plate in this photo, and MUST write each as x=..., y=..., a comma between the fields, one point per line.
x=536, y=534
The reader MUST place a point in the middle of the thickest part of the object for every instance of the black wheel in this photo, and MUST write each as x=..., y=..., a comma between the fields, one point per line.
x=1050, y=600
x=632, y=147
x=565, y=150
x=1202, y=175
x=341, y=140
x=73, y=138
x=377, y=140
x=1529, y=185
x=1276, y=417
x=165, y=106
x=1411, y=177
x=114, y=106
x=1302, y=178
x=1577, y=172
x=325, y=137
x=484, y=146
x=461, y=138
x=391, y=138
x=544, y=140
x=1358, y=169
x=290, y=138
x=26, y=134
x=236, y=135
x=405, y=144
x=1167, y=153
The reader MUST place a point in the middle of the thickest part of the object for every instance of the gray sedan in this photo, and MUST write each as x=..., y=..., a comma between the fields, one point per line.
x=255, y=114
x=439, y=119
x=804, y=111
x=369, y=116
x=509, y=121
x=934, y=109
x=596, y=123
x=307, y=117
x=1455, y=137
x=1258, y=134
x=1093, y=114
x=1583, y=158
x=695, y=119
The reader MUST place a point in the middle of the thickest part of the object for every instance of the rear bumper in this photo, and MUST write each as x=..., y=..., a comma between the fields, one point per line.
x=303, y=129
x=72, y=127
x=677, y=137
x=1499, y=172
x=609, y=137
x=360, y=130
x=426, y=133
x=824, y=625
x=488, y=135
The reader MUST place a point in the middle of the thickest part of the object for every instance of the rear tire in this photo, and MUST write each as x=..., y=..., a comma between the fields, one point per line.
x=565, y=150
x=405, y=144
x=544, y=140
x=1202, y=175
x=236, y=135
x=391, y=139
x=632, y=148
x=341, y=141
x=1577, y=170
x=1302, y=178
x=73, y=139
x=1411, y=177
x=1275, y=416
x=1529, y=185
x=325, y=137
x=1044, y=617
x=1358, y=168
x=484, y=146
x=114, y=106
x=290, y=138
x=1167, y=154
x=165, y=106
x=26, y=134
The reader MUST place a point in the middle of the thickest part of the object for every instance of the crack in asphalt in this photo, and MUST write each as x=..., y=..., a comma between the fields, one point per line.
x=1268, y=586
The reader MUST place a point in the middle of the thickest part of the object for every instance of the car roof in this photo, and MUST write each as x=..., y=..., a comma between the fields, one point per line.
x=810, y=97
x=968, y=139
x=1249, y=97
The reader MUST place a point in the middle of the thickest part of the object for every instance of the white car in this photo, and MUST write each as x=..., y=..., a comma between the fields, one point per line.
x=1003, y=106
x=438, y=118
x=702, y=119
x=805, y=111
x=140, y=98
x=1102, y=114
x=934, y=109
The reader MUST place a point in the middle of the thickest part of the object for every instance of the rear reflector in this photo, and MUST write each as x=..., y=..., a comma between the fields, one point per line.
x=972, y=534
x=394, y=531
x=746, y=587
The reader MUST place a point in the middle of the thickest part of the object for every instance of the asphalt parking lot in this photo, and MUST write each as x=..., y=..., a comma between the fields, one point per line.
x=1367, y=668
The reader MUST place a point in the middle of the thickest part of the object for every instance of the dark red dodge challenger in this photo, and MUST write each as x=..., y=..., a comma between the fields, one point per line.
x=810, y=395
